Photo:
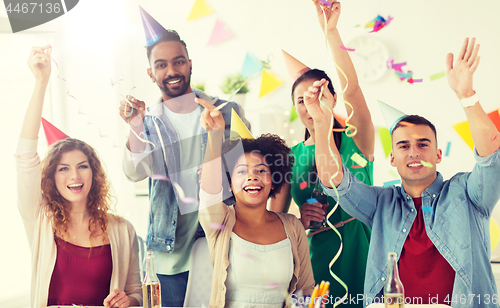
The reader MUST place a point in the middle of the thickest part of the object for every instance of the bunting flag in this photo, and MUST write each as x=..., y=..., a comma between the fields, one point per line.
x=251, y=66
x=270, y=81
x=52, y=133
x=385, y=138
x=463, y=128
x=293, y=114
x=220, y=33
x=200, y=8
x=239, y=127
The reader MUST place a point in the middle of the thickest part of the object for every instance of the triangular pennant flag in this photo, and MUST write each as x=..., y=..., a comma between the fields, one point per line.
x=391, y=115
x=270, y=81
x=251, y=66
x=293, y=114
x=239, y=127
x=220, y=33
x=152, y=28
x=52, y=133
x=294, y=66
x=385, y=138
x=200, y=9
x=463, y=128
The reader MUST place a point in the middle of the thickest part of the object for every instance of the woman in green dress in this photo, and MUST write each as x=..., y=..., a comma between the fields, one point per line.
x=324, y=243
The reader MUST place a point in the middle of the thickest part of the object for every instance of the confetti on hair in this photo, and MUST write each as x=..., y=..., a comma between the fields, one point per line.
x=426, y=164
x=358, y=159
x=216, y=226
x=378, y=23
x=303, y=185
x=345, y=48
x=447, y=153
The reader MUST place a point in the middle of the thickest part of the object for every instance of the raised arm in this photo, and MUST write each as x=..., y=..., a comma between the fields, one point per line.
x=365, y=138
x=39, y=64
x=325, y=162
x=484, y=133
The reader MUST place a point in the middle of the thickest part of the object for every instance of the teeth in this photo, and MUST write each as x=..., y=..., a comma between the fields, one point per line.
x=415, y=165
x=174, y=81
x=75, y=185
x=252, y=188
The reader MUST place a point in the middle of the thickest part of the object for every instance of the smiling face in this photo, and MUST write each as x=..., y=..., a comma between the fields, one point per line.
x=251, y=180
x=411, y=145
x=73, y=177
x=170, y=69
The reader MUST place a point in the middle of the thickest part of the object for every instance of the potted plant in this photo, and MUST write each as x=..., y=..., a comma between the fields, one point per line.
x=236, y=86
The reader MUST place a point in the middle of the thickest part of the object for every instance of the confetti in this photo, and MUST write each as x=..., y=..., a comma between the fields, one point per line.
x=437, y=76
x=303, y=185
x=345, y=48
x=312, y=200
x=325, y=3
x=378, y=23
x=494, y=137
x=358, y=159
x=426, y=164
x=447, y=153
x=391, y=183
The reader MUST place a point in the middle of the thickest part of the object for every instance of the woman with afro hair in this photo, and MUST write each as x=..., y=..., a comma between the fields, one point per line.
x=259, y=257
x=81, y=253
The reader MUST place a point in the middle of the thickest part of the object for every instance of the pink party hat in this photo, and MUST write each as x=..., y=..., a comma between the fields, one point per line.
x=152, y=28
x=295, y=67
x=52, y=133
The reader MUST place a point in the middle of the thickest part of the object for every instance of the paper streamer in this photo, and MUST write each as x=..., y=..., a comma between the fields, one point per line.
x=447, y=153
x=200, y=9
x=345, y=48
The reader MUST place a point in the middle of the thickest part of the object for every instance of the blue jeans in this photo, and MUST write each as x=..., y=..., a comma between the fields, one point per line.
x=173, y=289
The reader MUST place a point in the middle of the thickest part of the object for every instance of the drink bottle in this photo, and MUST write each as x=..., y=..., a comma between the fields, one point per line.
x=394, y=293
x=151, y=291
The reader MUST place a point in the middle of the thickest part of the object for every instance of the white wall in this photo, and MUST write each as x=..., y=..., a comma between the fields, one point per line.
x=100, y=41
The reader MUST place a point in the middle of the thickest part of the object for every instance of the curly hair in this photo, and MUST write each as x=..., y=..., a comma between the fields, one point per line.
x=275, y=152
x=99, y=197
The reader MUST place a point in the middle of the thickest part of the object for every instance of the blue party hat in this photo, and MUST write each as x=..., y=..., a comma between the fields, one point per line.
x=152, y=28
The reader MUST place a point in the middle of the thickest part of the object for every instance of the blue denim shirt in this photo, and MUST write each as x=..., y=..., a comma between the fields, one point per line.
x=457, y=220
x=162, y=195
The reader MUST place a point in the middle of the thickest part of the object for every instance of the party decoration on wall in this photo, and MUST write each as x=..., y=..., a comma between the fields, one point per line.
x=251, y=66
x=463, y=128
x=378, y=23
x=52, y=133
x=293, y=114
x=270, y=81
x=220, y=33
x=385, y=138
x=239, y=127
x=392, y=116
x=200, y=8
x=152, y=28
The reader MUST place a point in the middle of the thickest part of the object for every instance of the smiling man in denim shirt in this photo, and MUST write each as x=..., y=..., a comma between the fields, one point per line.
x=166, y=144
x=439, y=229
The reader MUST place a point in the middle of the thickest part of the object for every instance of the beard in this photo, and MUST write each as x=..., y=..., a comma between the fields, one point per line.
x=181, y=90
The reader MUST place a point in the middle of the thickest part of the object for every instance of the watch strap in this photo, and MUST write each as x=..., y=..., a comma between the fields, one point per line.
x=470, y=101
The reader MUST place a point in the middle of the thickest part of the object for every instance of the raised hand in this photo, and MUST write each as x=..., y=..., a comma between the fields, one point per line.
x=117, y=298
x=319, y=113
x=211, y=118
x=460, y=74
x=39, y=62
x=330, y=13
x=132, y=110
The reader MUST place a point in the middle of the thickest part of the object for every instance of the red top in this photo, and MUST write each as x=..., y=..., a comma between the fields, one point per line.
x=426, y=276
x=80, y=276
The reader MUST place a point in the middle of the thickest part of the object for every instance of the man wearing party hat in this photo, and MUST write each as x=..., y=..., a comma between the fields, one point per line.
x=439, y=229
x=166, y=143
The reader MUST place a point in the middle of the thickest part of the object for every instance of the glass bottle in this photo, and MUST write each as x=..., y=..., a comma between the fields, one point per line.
x=394, y=292
x=322, y=198
x=151, y=291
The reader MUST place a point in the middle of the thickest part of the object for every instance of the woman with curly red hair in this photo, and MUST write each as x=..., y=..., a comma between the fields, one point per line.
x=81, y=253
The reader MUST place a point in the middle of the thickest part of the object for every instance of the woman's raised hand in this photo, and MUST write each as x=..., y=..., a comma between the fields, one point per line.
x=329, y=13
x=319, y=112
x=211, y=118
x=39, y=62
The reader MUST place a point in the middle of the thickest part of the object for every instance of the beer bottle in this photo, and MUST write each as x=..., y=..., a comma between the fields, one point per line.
x=394, y=293
x=151, y=291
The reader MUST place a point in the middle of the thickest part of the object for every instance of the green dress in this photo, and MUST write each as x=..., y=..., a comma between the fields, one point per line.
x=351, y=264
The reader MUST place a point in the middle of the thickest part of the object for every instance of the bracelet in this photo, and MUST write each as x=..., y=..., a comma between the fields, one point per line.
x=470, y=101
